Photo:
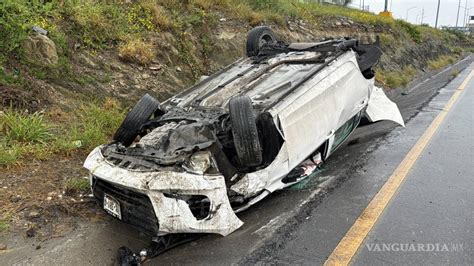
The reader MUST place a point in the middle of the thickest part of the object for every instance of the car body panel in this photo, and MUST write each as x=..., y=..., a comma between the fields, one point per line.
x=330, y=99
x=380, y=107
x=264, y=83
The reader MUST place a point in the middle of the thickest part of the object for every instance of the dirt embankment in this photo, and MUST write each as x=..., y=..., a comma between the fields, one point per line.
x=179, y=60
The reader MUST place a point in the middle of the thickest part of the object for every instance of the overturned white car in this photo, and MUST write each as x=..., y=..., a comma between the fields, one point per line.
x=261, y=124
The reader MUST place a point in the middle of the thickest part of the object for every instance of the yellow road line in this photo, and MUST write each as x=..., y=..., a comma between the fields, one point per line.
x=350, y=243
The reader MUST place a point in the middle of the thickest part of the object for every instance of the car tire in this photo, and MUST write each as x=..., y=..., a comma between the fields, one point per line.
x=244, y=131
x=257, y=37
x=140, y=113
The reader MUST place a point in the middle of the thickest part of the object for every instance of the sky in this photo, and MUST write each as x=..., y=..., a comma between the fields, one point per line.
x=447, y=12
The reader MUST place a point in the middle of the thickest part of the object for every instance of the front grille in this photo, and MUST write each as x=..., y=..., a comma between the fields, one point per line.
x=136, y=208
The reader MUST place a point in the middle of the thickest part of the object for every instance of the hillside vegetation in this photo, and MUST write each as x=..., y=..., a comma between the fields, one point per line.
x=108, y=53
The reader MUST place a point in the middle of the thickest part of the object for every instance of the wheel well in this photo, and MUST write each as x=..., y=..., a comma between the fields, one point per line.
x=323, y=149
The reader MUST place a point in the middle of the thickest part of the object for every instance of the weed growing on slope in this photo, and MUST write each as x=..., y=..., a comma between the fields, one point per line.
x=395, y=79
x=24, y=128
x=441, y=61
x=74, y=185
x=32, y=136
x=136, y=50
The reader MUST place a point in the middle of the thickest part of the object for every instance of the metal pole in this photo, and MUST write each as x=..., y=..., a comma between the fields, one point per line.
x=406, y=18
x=466, y=20
x=386, y=6
x=465, y=14
x=437, y=14
x=457, y=17
x=422, y=15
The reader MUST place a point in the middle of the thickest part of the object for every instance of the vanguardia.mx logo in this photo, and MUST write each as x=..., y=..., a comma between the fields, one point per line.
x=415, y=247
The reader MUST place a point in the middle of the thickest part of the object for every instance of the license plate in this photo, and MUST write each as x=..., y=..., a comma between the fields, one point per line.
x=112, y=206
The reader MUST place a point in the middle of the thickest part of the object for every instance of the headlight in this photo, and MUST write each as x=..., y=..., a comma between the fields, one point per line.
x=198, y=163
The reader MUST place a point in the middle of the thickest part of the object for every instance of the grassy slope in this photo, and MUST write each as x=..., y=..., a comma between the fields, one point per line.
x=130, y=31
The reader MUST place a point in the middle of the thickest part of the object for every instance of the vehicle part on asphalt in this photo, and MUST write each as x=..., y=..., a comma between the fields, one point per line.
x=244, y=131
x=381, y=108
x=126, y=257
x=260, y=125
x=257, y=38
x=140, y=113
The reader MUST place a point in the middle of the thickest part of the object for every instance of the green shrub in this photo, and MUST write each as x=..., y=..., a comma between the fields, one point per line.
x=30, y=135
x=95, y=125
x=16, y=19
x=142, y=16
x=96, y=23
x=411, y=29
x=9, y=79
x=4, y=225
x=25, y=128
x=72, y=185
x=9, y=154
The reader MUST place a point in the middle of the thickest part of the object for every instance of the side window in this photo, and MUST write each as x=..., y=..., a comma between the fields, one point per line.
x=344, y=131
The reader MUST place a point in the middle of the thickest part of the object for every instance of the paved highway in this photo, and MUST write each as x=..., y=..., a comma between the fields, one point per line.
x=429, y=220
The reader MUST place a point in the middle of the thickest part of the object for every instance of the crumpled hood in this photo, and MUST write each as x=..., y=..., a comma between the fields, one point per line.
x=165, y=145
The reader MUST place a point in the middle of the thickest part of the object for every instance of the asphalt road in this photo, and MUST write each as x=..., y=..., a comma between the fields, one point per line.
x=430, y=221
x=300, y=225
x=433, y=207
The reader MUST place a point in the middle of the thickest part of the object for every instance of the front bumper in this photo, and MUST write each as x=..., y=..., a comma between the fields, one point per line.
x=173, y=214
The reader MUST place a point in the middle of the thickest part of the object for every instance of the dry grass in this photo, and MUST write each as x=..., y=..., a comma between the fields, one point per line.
x=160, y=18
x=441, y=62
x=454, y=73
x=136, y=51
x=395, y=79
